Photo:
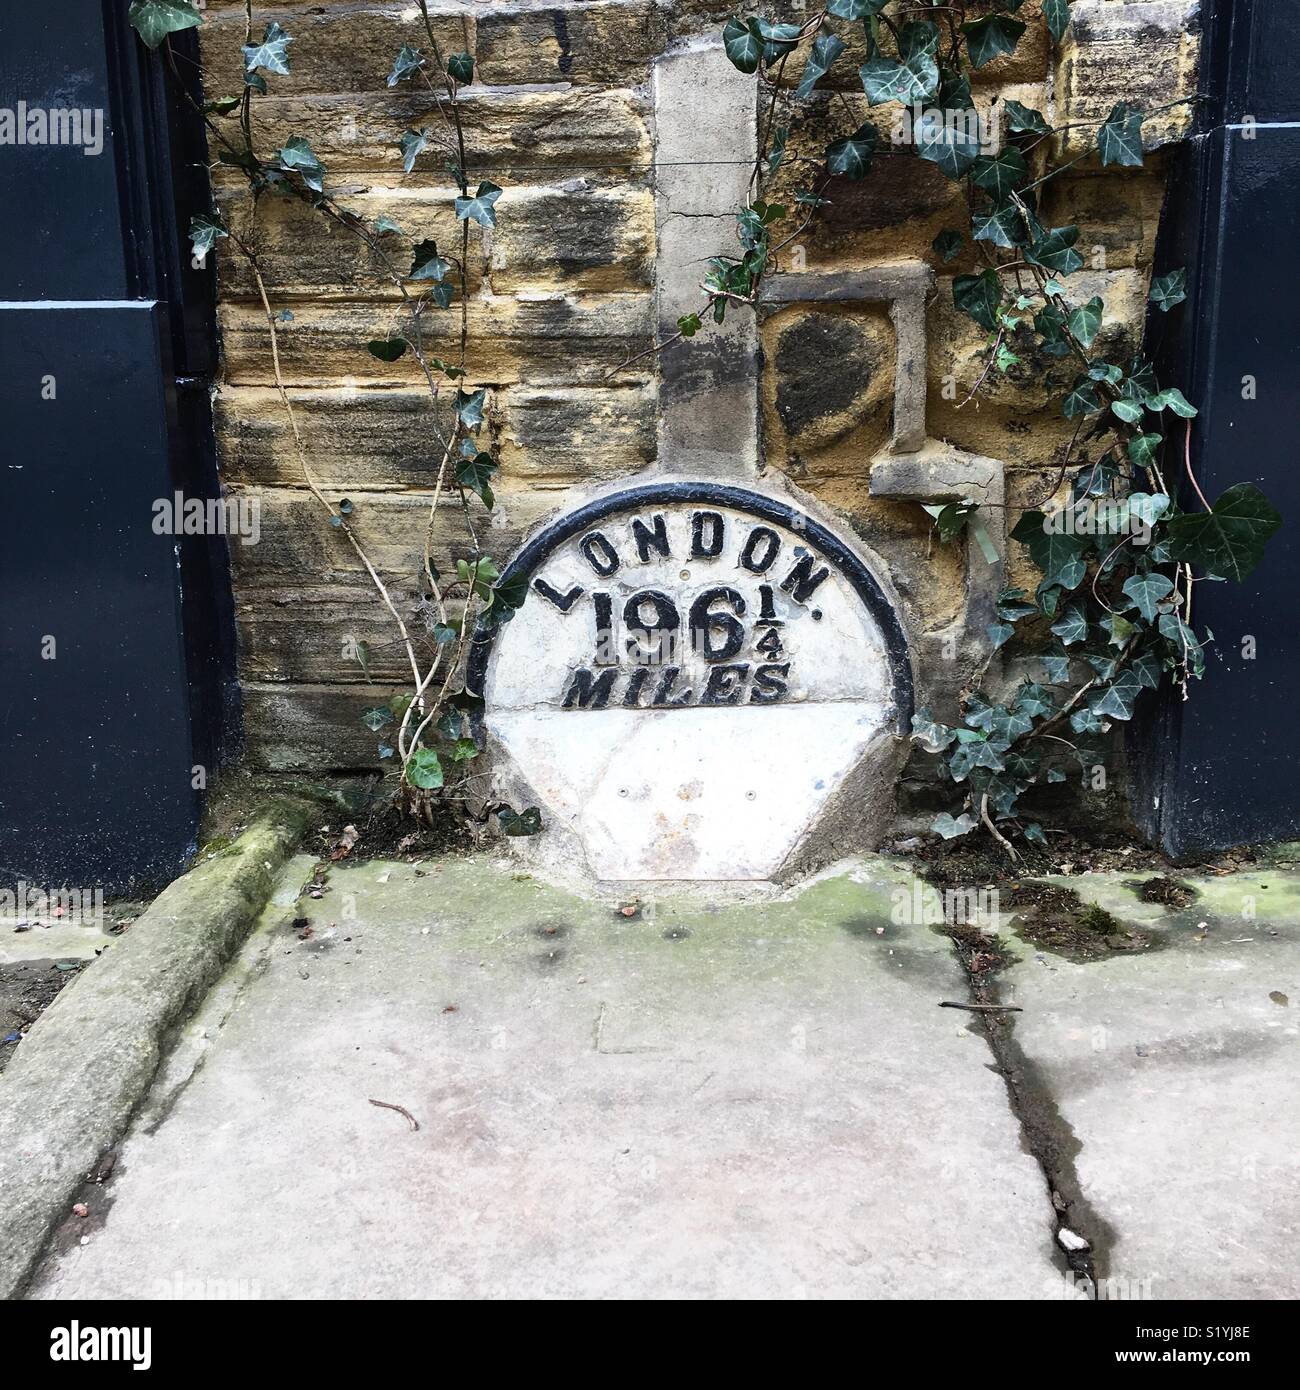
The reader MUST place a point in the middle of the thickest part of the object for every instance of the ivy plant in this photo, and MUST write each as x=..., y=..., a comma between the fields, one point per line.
x=427, y=728
x=1118, y=546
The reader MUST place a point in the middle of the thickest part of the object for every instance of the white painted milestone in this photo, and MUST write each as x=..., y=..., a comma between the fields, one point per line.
x=688, y=682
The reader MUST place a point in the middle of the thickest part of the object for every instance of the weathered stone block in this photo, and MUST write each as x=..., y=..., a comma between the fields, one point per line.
x=311, y=728
x=298, y=546
x=304, y=254
x=575, y=236
x=609, y=42
x=336, y=48
x=581, y=434
x=829, y=381
x=1144, y=53
x=355, y=439
x=587, y=130
x=563, y=339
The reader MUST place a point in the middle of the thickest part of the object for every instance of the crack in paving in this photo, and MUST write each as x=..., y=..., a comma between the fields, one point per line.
x=1045, y=1133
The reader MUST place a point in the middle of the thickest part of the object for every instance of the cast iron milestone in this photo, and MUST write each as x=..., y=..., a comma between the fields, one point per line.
x=696, y=670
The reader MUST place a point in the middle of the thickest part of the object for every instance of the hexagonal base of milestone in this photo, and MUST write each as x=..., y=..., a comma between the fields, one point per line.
x=703, y=683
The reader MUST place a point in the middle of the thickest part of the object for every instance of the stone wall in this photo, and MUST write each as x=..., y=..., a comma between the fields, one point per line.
x=597, y=248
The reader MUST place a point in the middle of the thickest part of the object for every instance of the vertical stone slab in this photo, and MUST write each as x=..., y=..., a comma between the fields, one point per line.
x=706, y=144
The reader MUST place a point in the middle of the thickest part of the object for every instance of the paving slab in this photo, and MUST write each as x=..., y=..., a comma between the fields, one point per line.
x=709, y=1099
x=1177, y=1072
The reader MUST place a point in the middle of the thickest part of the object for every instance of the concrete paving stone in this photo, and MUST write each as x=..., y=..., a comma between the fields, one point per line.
x=1178, y=1072
x=709, y=1099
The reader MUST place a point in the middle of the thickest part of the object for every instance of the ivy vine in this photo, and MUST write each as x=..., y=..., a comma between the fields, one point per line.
x=1119, y=554
x=427, y=728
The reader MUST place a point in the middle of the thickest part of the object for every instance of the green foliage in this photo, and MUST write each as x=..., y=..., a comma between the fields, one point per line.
x=1120, y=138
x=1168, y=290
x=481, y=207
x=429, y=729
x=407, y=63
x=271, y=55
x=153, y=20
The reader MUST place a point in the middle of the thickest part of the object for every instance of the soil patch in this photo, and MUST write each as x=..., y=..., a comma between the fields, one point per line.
x=1169, y=892
x=27, y=989
x=1057, y=920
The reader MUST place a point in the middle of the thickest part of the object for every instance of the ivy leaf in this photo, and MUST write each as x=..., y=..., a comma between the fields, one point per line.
x=386, y=349
x=460, y=68
x=1118, y=629
x=1147, y=669
x=1081, y=400
x=271, y=55
x=1000, y=634
x=1174, y=399
x=855, y=9
x=689, y=325
x=428, y=264
x=949, y=828
x=409, y=60
x=469, y=407
x=1057, y=553
x=1146, y=591
x=1142, y=449
x=1086, y=320
x=424, y=769
x=1147, y=507
x=474, y=471
x=1072, y=625
x=297, y=156
x=1168, y=290
x=1033, y=700
x=1116, y=701
x=386, y=224
x=744, y=46
x=991, y=37
x=947, y=144
x=1002, y=226
x=851, y=156
x=1056, y=668
x=777, y=153
x=826, y=48
x=375, y=719
x=979, y=296
x=884, y=79
x=1182, y=639
x=1086, y=721
x=1055, y=250
x=1057, y=15
x=153, y=20
x=947, y=245
x=973, y=750
x=412, y=143
x=1011, y=607
x=513, y=822
x=1120, y=138
x=1128, y=411
x=206, y=229
x=1025, y=118
x=480, y=206
x=998, y=175
x=933, y=737
x=1229, y=539
x=954, y=89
